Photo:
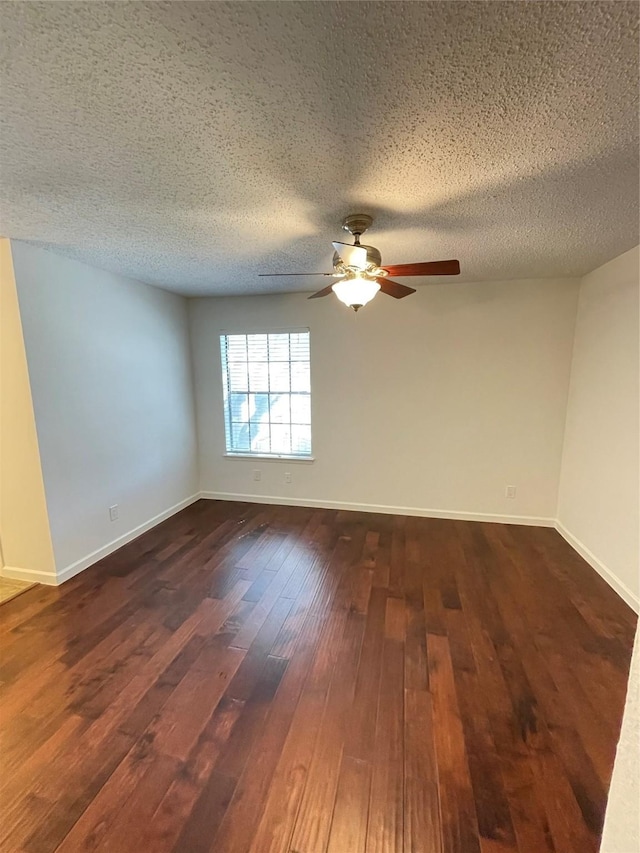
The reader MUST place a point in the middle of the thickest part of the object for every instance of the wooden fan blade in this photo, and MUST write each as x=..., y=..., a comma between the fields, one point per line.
x=394, y=288
x=324, y=292
x=267, y=274
x=352, y=256
x=427, y=268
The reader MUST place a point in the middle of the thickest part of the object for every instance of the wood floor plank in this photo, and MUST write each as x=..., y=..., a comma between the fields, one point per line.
x=385, y=829
x=242, y=820
x=275, y=826
x=126, y=801
x=422, y=823
x=361, y=740
x=204, y=820
x=457, y=803
x=575, y=778
x=351, y=810
x=181, y=815
x=259, y=679
x=315, y=814
x=200, y=690
x=487, y=633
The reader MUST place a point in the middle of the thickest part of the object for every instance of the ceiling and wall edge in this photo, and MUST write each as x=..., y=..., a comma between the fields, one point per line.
x=197, y=145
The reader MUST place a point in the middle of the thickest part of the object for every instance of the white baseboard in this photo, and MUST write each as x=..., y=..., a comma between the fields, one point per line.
x=613, y=580
x=30, y=575
x=535, y=521
x=530, y=520
x=84, y=563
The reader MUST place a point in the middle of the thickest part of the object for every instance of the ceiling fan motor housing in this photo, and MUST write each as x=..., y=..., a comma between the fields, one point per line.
x=374, y=258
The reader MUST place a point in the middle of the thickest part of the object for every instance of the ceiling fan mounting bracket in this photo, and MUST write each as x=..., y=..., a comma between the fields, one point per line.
x=356, y=224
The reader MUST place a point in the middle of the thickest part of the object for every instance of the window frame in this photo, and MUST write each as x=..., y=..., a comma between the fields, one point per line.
x=226, y=390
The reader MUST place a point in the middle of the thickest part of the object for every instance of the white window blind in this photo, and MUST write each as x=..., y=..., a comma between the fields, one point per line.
x=267, y=393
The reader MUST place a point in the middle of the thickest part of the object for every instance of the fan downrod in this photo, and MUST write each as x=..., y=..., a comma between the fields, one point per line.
x=356, y=224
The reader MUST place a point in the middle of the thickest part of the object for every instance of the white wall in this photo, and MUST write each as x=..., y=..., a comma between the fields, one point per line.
x=598, y=505
x=434, y=403
x=110, y=370
x=26, y=549
x=621, y=833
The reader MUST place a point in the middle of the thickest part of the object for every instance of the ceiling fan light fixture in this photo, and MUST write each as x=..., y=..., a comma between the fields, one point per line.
x=356, y=292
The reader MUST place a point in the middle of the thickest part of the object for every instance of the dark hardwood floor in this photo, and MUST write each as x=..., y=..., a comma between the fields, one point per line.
x=250, y=678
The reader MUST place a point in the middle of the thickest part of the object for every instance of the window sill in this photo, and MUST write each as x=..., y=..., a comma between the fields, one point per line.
x=269, y=457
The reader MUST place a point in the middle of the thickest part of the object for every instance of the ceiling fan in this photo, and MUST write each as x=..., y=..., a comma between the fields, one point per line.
x=359, y=271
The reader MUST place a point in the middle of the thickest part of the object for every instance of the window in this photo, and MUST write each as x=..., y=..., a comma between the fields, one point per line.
x=267, y=394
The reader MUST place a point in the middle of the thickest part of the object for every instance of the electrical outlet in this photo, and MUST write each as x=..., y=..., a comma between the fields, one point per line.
x=510, y=491
x=257, y=475
x=287, y=477
x=113, y=512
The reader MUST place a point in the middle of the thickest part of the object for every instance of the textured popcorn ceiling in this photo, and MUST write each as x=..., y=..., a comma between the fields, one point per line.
x=193, y=145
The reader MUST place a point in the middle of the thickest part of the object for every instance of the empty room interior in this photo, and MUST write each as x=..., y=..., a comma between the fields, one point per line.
x=319, y=412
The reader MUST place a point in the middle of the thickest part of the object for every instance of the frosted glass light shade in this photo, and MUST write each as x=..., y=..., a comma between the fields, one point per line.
x=356, y=292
